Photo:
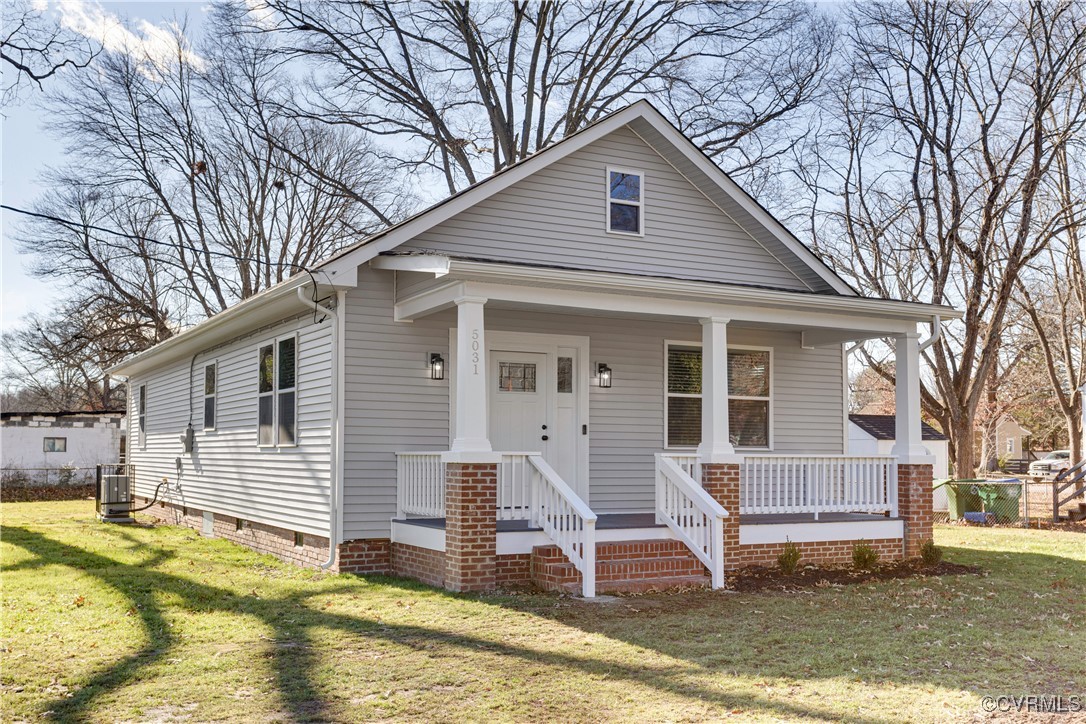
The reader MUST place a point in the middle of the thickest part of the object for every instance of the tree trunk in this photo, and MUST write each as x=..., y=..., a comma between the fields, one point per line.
x=964, y=460
x=1074, y=435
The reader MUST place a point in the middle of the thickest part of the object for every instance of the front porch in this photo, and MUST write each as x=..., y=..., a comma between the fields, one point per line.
x=744, y=375
x=532, y=528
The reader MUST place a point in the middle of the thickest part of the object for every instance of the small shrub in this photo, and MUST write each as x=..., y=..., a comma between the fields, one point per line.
x=930, y=553
x=788, y=560
x=864, y=556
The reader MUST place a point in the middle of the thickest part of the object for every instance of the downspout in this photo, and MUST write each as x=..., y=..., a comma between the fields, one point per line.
x=333, y=497
x=936, y=333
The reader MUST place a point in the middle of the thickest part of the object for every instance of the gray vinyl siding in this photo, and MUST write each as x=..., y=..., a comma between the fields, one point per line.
x=227, y=473
x=556, y=218
x=392, y=405
x=735, y=210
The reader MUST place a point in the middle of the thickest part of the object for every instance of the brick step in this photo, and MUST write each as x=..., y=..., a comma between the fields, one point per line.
x=622, y=567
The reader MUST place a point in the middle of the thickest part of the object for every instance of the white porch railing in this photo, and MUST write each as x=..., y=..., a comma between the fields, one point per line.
x=691, y=513
x=420, y=484
x=817, y=484
x=515, y=486
x=566, y=519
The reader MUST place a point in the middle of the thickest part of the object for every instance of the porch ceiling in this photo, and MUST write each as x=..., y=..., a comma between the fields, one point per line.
x=824, y=320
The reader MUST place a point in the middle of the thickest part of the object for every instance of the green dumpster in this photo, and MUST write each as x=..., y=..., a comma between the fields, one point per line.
x=983, y=501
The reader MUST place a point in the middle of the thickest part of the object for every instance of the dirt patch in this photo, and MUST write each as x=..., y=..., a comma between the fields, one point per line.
x=762, y=578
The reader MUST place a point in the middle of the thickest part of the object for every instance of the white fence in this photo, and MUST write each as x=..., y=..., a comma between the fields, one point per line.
x=817, y=484
x=691, y=513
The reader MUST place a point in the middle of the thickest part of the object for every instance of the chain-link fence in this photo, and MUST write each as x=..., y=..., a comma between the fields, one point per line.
x=60, y=483
x=1008, y=502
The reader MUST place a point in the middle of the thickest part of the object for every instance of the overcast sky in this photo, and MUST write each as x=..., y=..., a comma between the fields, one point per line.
x=28, y=148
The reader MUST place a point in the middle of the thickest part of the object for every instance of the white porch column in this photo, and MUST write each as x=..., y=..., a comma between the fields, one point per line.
x=716, y=444
x=472, y=433
x=908, y=444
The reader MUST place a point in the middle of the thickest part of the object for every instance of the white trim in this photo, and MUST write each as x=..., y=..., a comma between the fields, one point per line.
x=772, y=387
x=761, y=534
x=678, y=297
x=421, y=536
x=639, y=204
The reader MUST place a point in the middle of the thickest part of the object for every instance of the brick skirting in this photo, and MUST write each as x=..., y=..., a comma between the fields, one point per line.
x=370, y=555
x=422, y=564
x=834, y=552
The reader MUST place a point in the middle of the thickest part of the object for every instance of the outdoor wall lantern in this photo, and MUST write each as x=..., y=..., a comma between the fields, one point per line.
x=604, y=373
x=437, y=366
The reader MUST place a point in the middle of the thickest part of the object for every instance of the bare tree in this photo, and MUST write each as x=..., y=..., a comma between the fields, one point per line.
x=465, y=89
x=952, y=117
x=57, y=361
x=173, y=151
x=1052, y=293
x=35, y=48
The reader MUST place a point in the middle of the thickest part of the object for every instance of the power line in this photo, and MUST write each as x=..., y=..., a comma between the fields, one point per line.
x=76, y=225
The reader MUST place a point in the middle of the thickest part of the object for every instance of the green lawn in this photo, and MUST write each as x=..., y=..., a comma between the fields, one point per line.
x=112, y=623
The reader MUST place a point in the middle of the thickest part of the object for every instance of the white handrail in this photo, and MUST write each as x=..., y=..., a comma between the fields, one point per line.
x=566, y=519
x=817, y=484
x=693, y=515
x=420, y=484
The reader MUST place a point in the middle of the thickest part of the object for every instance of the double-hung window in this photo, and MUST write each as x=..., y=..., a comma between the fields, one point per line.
x=625, y=202
x=277, y=392
x=141, y=403
x=210, y=382
x=749, y=396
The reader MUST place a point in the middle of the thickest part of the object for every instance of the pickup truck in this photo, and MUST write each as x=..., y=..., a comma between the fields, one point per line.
x=1050, y=465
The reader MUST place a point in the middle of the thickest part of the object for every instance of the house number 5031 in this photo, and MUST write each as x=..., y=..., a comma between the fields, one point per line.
x=475, y=351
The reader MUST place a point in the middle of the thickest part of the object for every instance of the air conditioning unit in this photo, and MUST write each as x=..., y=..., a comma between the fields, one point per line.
x=113, y=494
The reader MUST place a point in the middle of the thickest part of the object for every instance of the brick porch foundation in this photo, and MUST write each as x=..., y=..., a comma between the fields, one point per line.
x=834, y=552
x=721, y=480
x=914, y=505
x=471, y=526
x=371, y=555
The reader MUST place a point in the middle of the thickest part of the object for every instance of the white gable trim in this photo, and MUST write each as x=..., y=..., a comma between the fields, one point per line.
x=426, y=220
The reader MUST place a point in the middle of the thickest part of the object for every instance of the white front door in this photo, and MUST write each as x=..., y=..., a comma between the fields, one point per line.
x=533, y=407
x=520, y=404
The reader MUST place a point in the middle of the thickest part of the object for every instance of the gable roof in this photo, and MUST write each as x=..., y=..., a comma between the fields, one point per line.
x=653, y=128
x=884, y=427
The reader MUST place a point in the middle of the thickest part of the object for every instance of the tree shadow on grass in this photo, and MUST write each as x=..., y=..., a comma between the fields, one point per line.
x=294, y=664
x=959, y=632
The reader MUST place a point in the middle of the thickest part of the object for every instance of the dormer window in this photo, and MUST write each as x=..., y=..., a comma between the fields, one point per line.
x=625, y=201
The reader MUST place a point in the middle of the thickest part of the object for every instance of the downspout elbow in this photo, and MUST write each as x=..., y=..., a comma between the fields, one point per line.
x=936, y=333
x=333, y=498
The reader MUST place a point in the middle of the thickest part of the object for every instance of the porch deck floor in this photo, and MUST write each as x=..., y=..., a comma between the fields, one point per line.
x=619, y=521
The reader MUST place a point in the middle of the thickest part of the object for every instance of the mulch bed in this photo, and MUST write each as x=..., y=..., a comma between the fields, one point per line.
x=34, y=494
x=761, y=578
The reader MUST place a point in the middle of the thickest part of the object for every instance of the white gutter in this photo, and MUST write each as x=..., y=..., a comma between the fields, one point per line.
x=335, y=462
x=936, y=333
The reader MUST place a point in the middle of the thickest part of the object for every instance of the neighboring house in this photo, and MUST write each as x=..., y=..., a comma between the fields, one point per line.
x=1010, y=439
x=606, y=352
x=874, y=435
x=38, y=446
